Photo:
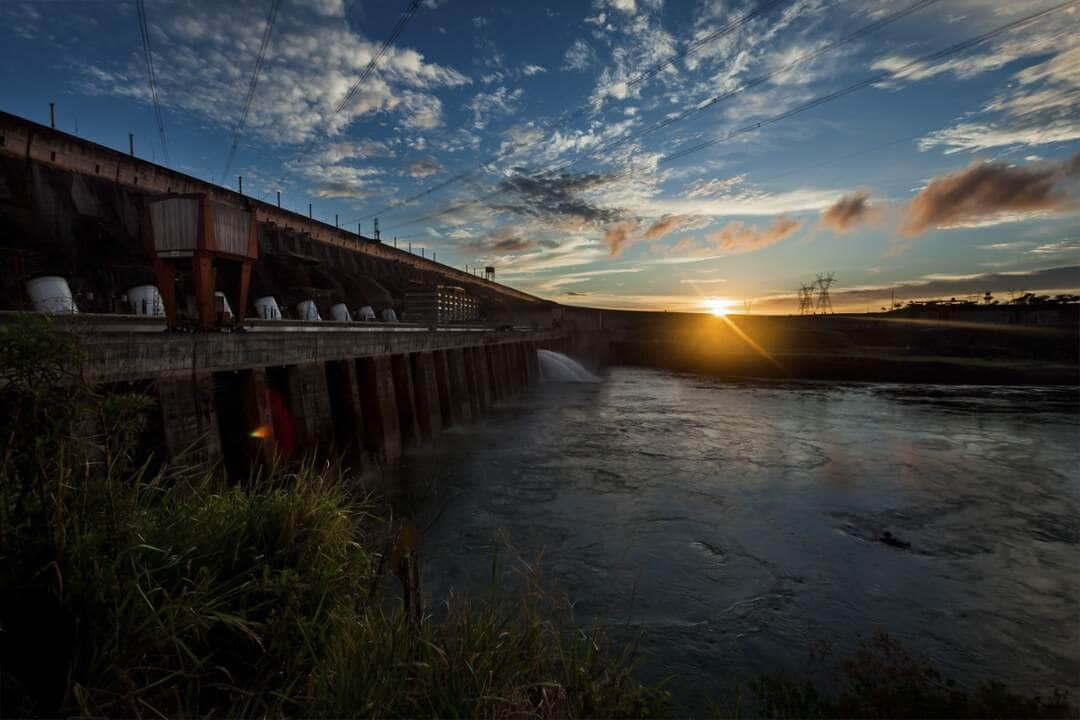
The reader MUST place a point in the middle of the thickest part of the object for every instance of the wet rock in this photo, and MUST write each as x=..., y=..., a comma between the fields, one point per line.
x=889, y=539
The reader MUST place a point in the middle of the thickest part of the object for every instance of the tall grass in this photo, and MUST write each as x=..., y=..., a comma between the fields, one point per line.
x=126, y=592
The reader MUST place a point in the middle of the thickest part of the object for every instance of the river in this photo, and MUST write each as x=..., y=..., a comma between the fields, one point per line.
x=737, y=523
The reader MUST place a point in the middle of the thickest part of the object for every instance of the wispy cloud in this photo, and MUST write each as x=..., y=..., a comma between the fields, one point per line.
x=425, y=167
x=735, y=238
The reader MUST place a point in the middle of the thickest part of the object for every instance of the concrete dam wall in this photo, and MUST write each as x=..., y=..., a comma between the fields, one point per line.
x=77, y=210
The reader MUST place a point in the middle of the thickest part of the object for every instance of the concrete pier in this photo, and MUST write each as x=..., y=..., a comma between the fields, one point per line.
x=426, y=395
x=189, y=418
x=442, y=381
x=344, y=388
x=246, y=399
x=482, y=374
x=309, y=402
x=378, y=400
x=406, y=400
x=459, y=384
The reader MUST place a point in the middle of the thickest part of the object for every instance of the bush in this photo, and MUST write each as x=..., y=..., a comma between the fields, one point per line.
x=125, y=592
x=883, y=680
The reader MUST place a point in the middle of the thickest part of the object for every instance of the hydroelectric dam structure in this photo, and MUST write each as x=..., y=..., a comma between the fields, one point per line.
x=213, y=303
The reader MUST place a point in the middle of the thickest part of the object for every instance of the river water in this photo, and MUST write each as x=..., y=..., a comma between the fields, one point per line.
x=736, y=524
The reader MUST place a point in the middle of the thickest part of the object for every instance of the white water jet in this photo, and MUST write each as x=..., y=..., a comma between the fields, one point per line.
x=561, y=368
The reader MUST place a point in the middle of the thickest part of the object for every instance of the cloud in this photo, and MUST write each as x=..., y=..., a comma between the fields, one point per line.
x=342, y=190
x=849, y=211
x=578, y=56
x=735, y=237
x=335, y=152
x=560, y=198
x=316, y=58
x=425, y=167
x=746, y=202
x=577, y=278
x=665, y=225
x=618, y=235
x=1036, y=108
x=506, y=240
x=1057, y=248
x=985, y=190
x=714, y=187
x=530, y=70
x=982, y=136
x=487, y=106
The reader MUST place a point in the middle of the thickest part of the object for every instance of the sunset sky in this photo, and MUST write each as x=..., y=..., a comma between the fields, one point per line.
x=616, y=153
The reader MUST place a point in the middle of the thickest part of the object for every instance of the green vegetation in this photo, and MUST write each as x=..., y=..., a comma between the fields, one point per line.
x=138, y=591
x=126, y=592
x=882, y=680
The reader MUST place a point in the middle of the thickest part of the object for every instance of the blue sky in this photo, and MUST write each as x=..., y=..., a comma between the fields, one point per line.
x=944, y=178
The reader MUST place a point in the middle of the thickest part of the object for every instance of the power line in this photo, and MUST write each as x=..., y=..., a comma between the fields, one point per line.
x=754, y=82
x=151, y=76
x=399, y=26
x=238, y=131
x=872, y=80
x=589, y=109
x=866, y=29
x=821, y=100
x=394, y=33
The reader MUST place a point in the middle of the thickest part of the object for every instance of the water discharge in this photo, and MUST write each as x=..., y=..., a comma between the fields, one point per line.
x=562, y=368
x=738, y=524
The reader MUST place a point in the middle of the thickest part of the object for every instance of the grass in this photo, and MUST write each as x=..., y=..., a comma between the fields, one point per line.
x=131, y=592
x=883, y=680
x=147, y=592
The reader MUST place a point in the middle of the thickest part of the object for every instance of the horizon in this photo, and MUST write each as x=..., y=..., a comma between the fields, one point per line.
x=605, y=181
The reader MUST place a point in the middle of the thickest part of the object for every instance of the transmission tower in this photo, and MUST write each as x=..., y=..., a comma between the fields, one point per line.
x=824, y=302
x=806, y=300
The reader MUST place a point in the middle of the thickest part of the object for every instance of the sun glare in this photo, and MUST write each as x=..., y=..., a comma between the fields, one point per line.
x=717, y=306
x=262, y=432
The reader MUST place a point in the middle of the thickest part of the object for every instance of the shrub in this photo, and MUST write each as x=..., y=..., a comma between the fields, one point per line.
x=126, y=592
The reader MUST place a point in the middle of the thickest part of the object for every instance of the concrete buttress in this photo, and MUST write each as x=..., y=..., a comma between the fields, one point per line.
x=309, y=401
x=480, y=372
x=406, y=402
x=189, y=418
x=450, y=413
x=426, y=394
x=459, y=383
x=379, y=402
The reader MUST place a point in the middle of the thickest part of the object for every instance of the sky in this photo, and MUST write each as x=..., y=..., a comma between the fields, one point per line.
x=637, y=154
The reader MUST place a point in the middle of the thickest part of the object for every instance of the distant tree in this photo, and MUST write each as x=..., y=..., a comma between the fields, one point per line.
x=988, y=297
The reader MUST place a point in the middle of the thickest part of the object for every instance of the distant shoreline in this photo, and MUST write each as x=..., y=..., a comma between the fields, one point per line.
x=870, y=367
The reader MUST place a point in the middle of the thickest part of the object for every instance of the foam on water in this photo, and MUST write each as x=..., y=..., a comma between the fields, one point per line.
x=561, y=368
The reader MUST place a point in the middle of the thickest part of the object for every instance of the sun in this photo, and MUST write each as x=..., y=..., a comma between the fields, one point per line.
x=717, y=306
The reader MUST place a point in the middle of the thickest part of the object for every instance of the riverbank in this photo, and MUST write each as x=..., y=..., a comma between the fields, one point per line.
x=131, y=588
x=860, y=367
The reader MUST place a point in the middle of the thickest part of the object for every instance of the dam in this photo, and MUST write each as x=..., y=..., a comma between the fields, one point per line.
x=259, y=330
x=237, y=385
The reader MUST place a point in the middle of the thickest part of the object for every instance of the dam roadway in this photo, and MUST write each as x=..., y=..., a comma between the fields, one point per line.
x=289, y=387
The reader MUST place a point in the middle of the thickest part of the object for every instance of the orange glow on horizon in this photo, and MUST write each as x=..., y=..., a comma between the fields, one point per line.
x=754, y=345
x=262, y=432
x=717, y=306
